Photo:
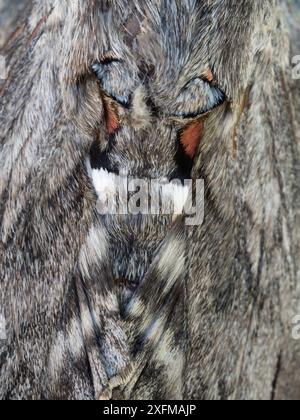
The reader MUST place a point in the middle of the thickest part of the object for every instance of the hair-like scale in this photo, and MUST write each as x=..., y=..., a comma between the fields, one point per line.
x=144, y=307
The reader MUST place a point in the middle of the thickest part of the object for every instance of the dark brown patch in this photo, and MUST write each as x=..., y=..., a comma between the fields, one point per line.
x=132, y=29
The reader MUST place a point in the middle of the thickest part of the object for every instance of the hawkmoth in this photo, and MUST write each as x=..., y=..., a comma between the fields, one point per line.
x=106, y=307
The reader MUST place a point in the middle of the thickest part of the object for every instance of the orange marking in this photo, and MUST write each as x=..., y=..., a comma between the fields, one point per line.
x=112, y=121
x=190, y=138
x=207, y=74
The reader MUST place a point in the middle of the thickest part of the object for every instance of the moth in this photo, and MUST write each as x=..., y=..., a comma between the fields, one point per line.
x=145, y=306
